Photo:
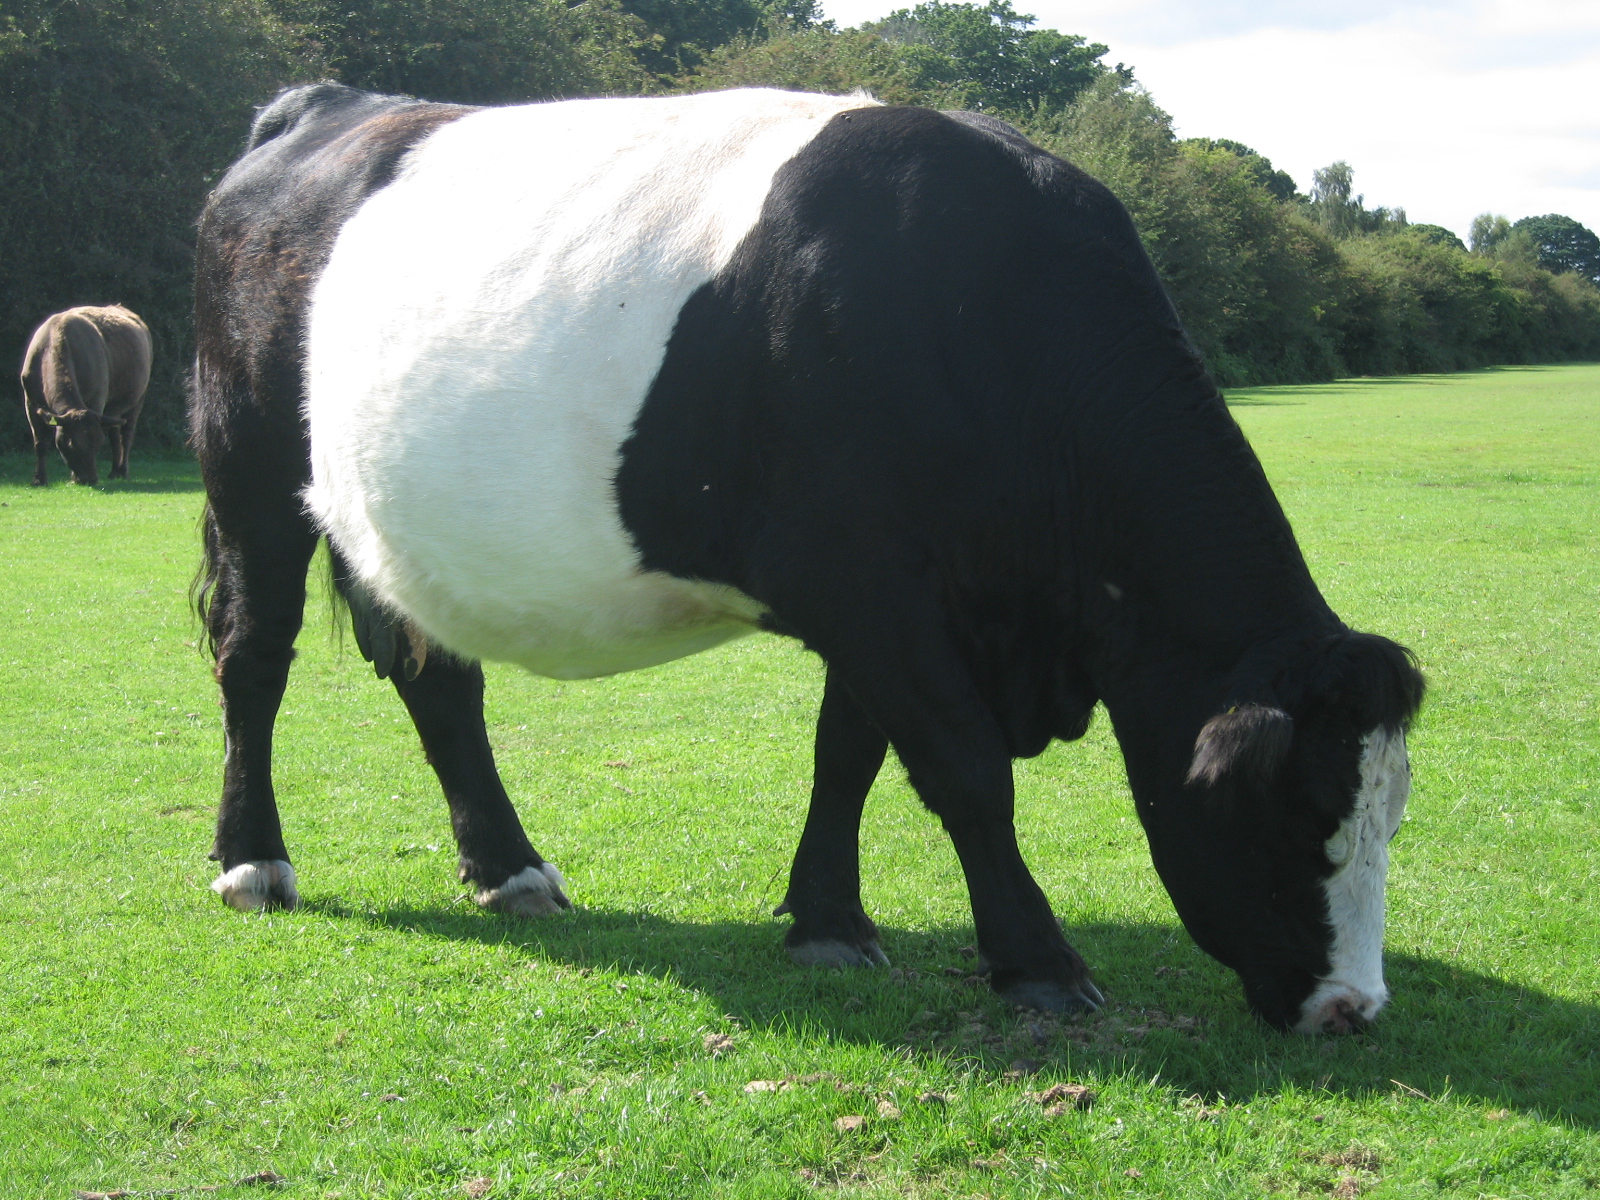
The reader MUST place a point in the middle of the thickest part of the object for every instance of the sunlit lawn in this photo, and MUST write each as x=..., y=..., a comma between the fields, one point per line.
x=390, y=1040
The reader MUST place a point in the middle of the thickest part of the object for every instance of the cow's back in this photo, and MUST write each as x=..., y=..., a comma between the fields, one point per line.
x=481, y=343
x=127, y=354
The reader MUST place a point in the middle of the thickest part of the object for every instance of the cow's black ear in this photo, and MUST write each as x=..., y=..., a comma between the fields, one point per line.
x=1378, y=681
x=1247, y=744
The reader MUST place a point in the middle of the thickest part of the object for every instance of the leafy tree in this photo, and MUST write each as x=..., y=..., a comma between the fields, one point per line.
x=1563, y=244
x=1436, y=235
x=1343, y=214
x=813, y=60
x=1279, y=184
x=1488, y=231
x=475, y=51
x=986, y=56
x=684, y=33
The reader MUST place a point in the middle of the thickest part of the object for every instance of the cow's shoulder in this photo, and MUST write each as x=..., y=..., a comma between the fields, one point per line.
x=955, y=148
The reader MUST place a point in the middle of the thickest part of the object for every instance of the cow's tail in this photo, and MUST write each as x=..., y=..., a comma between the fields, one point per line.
x=392, y=644
x=63, y=397
x=203, y=587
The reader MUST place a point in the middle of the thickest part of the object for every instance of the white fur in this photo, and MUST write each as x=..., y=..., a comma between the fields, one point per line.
x=481, y=341
x=255, y=885
x=531, y=892
x=1355, y=891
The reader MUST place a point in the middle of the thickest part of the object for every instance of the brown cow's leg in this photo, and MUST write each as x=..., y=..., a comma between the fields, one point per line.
x=119, y=452
x=445, y=700
x=257, y=603
x=830, y=926
x=43, y=442
x=119, y=468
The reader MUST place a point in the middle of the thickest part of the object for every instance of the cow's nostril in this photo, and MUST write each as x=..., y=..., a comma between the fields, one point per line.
x=1344, y=1017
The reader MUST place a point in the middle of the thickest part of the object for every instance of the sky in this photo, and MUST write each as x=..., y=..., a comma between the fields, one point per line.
x=1446, y=108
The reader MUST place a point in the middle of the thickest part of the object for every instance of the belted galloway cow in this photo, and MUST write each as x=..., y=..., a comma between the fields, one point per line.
x=84, y=376
x=588, y=386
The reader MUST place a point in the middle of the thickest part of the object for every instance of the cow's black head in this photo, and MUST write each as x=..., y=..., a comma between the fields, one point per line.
x=79, y=437
x=1274, y=844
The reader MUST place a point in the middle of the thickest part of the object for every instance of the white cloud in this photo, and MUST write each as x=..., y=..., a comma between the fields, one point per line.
x=1447, y=109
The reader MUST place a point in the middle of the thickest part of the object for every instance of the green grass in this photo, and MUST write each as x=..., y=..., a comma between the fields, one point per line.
x=390, y=1040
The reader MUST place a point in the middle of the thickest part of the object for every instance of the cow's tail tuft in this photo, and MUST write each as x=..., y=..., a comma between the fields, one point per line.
x=203, y=588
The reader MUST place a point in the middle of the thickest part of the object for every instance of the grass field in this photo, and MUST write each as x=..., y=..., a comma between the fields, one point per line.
x=390, y=1040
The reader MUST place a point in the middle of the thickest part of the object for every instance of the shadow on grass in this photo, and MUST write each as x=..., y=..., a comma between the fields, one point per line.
x=1448, y=1032
x=1284, y=394
x=169, y=471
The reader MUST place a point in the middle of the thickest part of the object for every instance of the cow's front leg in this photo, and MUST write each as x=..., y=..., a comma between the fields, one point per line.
x=969, y=786
x=830, y=926
x=445, y=700
x=916, y=688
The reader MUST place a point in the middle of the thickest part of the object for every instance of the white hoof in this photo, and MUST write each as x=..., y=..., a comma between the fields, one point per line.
x=531, y=892
x=833, y=953
x=256, y=885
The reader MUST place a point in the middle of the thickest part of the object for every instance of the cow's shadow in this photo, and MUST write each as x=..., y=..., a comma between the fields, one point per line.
x=1448, y=1032
x=164, y=471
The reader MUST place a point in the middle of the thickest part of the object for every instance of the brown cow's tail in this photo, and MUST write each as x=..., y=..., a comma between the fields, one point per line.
x=61, y=376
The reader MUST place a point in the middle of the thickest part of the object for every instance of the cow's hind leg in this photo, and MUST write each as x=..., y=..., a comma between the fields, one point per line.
x=830, y=926
x=445, y=699
x=122, y=444
x=43, y=443
x=119, y=453
x=258, y=553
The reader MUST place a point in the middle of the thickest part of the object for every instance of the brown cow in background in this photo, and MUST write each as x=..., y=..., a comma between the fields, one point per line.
x=85, y=373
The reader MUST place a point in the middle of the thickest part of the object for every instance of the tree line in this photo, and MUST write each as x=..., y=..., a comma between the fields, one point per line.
x=116, y=116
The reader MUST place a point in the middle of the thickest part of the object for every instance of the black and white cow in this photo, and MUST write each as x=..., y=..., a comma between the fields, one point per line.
x=588, y=386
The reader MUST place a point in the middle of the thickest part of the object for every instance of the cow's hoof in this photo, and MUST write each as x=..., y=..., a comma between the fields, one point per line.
x=830, y=952
x=1051, y=997
x=253, y=886
x=531, y=892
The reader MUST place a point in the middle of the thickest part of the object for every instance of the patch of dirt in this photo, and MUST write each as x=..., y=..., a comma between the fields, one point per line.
x=718, y=1044
x=1355, y=1156
x=478, y=1188
x=1064, y=1098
